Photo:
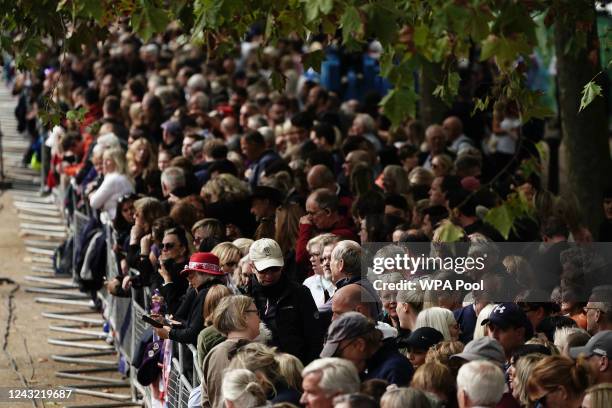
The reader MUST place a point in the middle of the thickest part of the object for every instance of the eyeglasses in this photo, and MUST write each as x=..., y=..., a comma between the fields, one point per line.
x=167, y=246
x=313, y=213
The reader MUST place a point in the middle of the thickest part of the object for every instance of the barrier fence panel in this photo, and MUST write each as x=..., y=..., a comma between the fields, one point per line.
x=174, y=385
x=197, y=370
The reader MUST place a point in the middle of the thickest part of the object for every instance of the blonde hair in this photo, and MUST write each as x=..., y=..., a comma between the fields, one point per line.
x=399, y=177
x=396, y=397
x=225, y=187
x=150, y=161
x=601, y=395
x=290, y=368
x=150, y=208
x=434, y=377
x=230, y=313
x=261, y=359
x=420, y=176
x=243, y=244
x=118, y=157
x=552, y=372
x=213, y=297
x=479, y=331
x=438, y=318
x=226, y=251
x=240, y=386
x=445, y=161
x=442, y=351
x=523, y=369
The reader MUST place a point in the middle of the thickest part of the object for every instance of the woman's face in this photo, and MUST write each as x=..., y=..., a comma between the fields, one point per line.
x=108, y=165
x=315, y=260
x=127, y=211
x=229, y=265
x=163, y=161
x=139, y=220
x=245, y=274
x=252, y=320
x=142, y=154
x=389, y=303
x=416, y=357
x=171, y=248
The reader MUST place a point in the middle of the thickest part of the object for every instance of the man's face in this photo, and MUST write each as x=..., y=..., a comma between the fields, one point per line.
x=269, y=276
x=163, y=161
x=277, y=114
x=326, y=262
x=436, y=196
x=510, y=338
x=313, y=396
x=318, y=216
x=248, y=150
x=436, y=140
x=186, y=149
x=592, y=316
x=597, y=364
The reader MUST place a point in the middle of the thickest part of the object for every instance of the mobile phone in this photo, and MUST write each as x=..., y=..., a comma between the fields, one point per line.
x=152, y=322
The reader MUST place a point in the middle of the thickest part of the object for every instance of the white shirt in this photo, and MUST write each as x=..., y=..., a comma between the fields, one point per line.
x=317, y=284
x=114, y=186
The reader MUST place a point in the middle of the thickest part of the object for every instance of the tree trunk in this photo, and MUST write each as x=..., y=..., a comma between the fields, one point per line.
x=585, y=133
x=432, y=108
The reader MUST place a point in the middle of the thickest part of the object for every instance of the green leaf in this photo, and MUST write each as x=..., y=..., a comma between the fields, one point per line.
x=449, y=232
x=501, y=218
x=93, y=8
x=542, y=150
x=311, y=9
x=590, y=91
x=313, y=60
x=399, y=104
x=326, y=6
x=350, y=22
x=480, y=105
x=420, y=36
x=76, y=115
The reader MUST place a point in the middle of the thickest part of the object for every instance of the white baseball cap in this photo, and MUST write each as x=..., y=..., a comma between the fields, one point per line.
x=266, y=253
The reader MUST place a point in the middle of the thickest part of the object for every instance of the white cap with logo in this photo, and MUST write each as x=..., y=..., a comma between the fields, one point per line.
x=266, y=253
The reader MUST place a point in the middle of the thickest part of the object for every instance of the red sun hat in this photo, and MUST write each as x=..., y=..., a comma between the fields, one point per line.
x=203, y=262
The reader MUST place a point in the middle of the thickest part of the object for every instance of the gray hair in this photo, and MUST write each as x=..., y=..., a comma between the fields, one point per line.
x=338, y=376
x=350, y=253
x=397, y=397
x=197, y=82
x=366, y=121
x=324, y=199
x=241, y=387
x=173, y=177
x=482, y=381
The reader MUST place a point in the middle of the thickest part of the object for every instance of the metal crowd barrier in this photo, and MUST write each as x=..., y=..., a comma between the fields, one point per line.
x=126, y=328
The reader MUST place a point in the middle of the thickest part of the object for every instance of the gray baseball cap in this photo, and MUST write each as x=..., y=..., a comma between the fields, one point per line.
x=600, y=344
x=348, y=326
x=483, y=348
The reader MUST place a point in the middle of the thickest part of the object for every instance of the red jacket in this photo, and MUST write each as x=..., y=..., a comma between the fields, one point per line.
x=342, y=228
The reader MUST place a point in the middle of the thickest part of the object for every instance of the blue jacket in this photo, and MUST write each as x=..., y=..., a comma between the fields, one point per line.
x=390, y=365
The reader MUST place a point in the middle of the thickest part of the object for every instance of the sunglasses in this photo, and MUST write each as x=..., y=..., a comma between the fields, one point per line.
x=167, y=246
x=230, y=264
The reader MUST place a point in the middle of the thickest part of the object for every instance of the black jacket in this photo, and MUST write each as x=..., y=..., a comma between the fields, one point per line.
x=190, y=313
x=173, y=291
x=289, y=311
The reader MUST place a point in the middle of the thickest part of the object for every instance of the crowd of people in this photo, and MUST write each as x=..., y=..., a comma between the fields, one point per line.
x=244, y=212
